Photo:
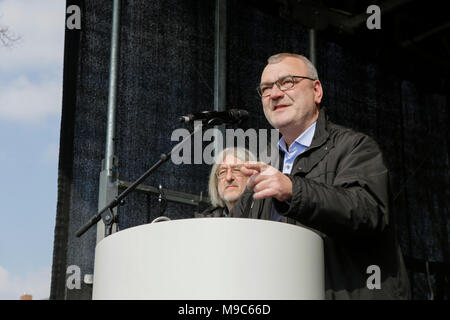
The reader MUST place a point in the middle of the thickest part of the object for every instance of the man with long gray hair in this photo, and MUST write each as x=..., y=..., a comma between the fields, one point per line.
x=226, y=182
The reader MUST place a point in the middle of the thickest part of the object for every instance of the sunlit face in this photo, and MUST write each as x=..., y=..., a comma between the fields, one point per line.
x=295, y=107
x=233, y=182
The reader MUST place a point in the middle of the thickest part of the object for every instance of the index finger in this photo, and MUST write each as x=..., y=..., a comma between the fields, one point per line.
x=254, y=165
x=248, y=172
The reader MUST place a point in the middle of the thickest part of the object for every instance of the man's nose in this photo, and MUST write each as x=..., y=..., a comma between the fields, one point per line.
x=229, y=176
x=276, y=92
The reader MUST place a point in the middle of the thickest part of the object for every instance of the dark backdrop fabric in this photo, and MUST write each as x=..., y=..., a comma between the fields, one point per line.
x=410, y=123
x=167, y=69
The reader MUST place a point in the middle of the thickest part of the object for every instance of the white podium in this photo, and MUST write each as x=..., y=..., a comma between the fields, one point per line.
x=209, y=259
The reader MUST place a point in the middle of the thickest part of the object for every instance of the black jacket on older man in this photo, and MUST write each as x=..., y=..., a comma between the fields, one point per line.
x=341, y=191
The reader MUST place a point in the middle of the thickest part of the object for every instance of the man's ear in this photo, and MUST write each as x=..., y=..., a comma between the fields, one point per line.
x=318, y=92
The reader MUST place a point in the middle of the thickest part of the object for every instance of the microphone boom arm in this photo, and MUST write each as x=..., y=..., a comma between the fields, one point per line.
x=119, y=199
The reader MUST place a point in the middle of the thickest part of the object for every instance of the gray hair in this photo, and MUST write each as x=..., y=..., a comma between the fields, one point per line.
x=240, y=153
x=312, y=71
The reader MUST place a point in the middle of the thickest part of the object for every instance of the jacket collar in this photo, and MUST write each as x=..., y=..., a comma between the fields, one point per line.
x=321, y=134
x=319, y=148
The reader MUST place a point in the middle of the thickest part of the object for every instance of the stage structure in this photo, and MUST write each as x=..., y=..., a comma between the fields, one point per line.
x=133, y=69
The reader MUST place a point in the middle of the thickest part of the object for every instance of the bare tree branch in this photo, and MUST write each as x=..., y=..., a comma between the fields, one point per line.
x=6, y=37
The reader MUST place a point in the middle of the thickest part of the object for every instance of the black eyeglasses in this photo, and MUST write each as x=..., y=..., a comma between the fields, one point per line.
x=285, y=83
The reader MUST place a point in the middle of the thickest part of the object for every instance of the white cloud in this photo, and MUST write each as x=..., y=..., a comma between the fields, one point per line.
x=31, y=69
x=36, y=283
x=40, y=25
x=23, y=100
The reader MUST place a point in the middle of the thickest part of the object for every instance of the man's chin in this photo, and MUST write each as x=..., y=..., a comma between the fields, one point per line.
x=231, y=198
x=280, y=122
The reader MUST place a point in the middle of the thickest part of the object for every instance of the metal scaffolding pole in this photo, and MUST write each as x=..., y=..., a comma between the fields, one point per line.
x=108, y=189
x=220, y=69
x=112, y=98
x=312, y=46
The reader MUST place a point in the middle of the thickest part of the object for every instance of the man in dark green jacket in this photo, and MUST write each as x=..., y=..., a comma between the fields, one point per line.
x=332, y=180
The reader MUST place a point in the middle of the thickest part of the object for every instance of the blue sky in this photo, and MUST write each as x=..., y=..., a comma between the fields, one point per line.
x=30, y=112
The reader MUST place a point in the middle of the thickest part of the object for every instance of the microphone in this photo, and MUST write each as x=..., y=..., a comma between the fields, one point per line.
x=229, y=116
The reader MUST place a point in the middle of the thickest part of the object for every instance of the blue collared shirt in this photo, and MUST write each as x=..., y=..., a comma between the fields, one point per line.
x=297, y=147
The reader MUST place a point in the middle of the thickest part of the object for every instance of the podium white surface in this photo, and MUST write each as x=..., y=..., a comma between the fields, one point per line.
x=209, y=259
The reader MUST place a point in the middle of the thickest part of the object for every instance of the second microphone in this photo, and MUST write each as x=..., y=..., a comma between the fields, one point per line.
x=229, y=116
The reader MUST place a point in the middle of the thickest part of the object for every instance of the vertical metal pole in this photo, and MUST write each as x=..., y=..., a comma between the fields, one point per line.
x=112, y=98
x=312, y=46
x=220, y=69
x=108, y=185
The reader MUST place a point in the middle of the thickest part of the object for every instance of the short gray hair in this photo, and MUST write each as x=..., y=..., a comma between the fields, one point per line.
x=240, y=153
x=312, y=71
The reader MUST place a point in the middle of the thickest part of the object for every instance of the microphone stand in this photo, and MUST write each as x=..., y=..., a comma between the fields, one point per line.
x=109, y=218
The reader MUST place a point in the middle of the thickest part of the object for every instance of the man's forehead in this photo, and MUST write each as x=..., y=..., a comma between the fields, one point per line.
x=230, y=160
x=287, y=66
